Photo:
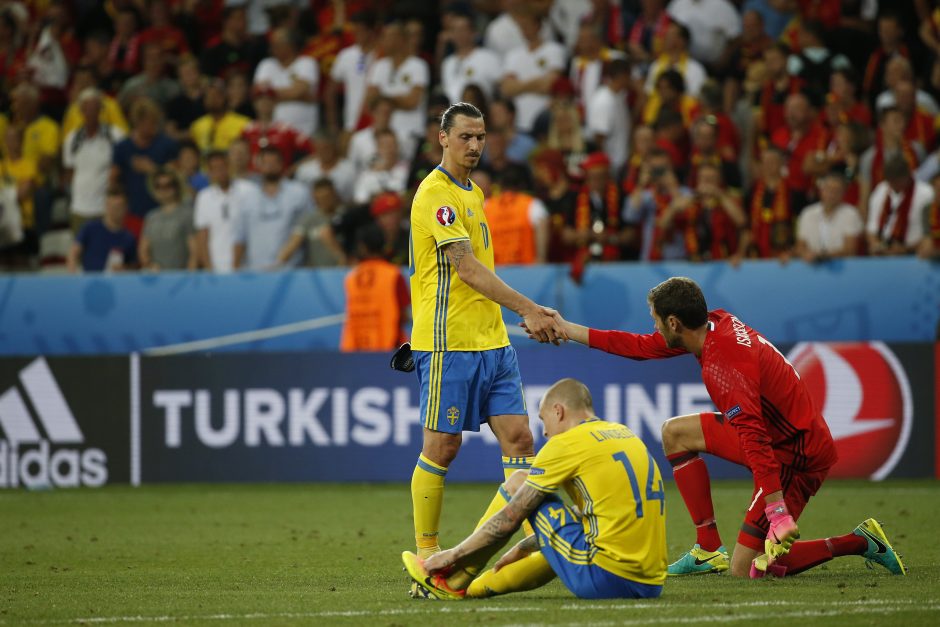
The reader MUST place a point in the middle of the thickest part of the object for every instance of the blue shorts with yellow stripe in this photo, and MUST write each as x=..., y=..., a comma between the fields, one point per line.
x=565, y=547
x=460, y=390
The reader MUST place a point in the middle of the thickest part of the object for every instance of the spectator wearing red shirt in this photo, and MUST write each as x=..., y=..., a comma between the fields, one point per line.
x=645, y=38
x=124, y=52
x=777, y=86
x=842, y=103
x=234, y=49
x=266, y=131
x=772, y=208
x=711, y=220
x=705, y=150
x=920, y=125
x=805, y=140
x=889, y=141
x=162, y=32
x=891, y=44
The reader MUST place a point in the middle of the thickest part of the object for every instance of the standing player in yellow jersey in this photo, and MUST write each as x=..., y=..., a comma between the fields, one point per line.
x=467, y=370
x=615, y=547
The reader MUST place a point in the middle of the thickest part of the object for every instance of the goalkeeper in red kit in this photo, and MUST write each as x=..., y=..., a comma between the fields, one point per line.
x=767, y=422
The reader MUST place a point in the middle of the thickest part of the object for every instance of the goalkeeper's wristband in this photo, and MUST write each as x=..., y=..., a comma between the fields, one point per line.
x=776, y=511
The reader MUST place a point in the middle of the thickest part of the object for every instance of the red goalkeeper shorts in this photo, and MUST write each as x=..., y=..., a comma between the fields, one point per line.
x=721, y=440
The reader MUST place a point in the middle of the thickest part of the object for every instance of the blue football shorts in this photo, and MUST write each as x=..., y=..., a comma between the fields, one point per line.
x=460, y=390
x=563, y=543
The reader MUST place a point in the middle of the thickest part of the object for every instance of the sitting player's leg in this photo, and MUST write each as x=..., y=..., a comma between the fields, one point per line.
x=684, y=438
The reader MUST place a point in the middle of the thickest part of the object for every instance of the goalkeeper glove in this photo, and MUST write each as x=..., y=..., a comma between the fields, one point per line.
x=783, y=530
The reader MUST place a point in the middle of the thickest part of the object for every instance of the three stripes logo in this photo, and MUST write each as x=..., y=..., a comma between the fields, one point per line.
x=27, y=457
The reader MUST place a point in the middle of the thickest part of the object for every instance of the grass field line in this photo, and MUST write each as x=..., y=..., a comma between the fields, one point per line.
x=857, y=606
x=752, y=616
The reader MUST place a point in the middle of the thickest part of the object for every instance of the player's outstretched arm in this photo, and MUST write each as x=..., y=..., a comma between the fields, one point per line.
x=493, y=534
x=575, y=332
x=540, y=321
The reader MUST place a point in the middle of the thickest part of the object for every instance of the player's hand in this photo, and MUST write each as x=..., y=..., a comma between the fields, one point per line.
x=514, y=554
x=439, y=561
x=783, y=531
x=542, y=324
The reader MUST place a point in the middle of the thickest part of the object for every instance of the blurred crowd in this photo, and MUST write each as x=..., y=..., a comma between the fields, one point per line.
x=259, y=134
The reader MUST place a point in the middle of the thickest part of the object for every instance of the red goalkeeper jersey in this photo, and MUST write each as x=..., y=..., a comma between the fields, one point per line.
x=757, y=390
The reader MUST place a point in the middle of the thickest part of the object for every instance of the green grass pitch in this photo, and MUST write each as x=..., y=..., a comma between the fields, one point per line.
x=329, y=554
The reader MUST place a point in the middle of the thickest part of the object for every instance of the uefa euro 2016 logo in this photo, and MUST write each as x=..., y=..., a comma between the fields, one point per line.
x=453, y=415
x=446, y=215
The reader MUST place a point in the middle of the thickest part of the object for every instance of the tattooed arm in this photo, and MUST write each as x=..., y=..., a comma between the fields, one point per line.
x=483, y=280
x=494, y=533
x=522, y=550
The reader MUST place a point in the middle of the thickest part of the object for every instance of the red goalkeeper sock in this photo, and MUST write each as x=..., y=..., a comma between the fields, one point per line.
x=812, y=553
x=691, y=475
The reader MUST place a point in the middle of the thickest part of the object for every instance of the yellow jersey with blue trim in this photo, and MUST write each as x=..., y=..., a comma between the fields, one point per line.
x=611, y=476
x=448, y=314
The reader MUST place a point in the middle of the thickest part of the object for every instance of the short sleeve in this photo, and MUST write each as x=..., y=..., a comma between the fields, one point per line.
x=422, y=75
x=435, y=213
x=306, y=70
x=551, y=467
x=68, y=159
x=200, y=219
x=598, y=115
x=263, y=74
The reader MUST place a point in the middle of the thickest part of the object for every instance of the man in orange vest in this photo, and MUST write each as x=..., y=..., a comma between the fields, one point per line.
x=377, y=298
x=518, y=221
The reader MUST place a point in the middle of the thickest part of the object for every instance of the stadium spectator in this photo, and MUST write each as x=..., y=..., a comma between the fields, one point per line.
x=554, y=188
x=21, y=173
x=505, y=32
x=363, y=143
x=294, y=79
x=238, y=94
x=645, y=39
x=84, y=77
x=402, y=78
x=188, y=106
x=428, y=155
x=240, y=162
x=899, y=69
x=919, y=129
x=266, y=131
x=565, y=134
x=138, y=156
x=166, y=240
x=189, y=168
x=519, y=145
x=814, y=63
x=152, y=82
x=266, y=215
x=213, y=216
x=469, y=63
x=124, y=51
x=929, y=247
x=388, y=173
x=705, y=150
x=377, y=298
x=712, y=24
x=596, y=227
x=744, y=51
x=711, y=220
x=87, y=154
x=675, y=56
x=890, y=45
x=517, y=220
x=643, y=143
x=162, y=32
x=842, y=103
x=529, y=72
x=777, y=86
x=844, y=153
x=327, y=162
x=805, y=140
x=349, y=74
x=669, y=94
x=41, y=143
x=474, y=95
x=220, y=126
x=12, y=50
x=103, y=244
x=234, y=50
x=315, y=233
x=710, y=107
x=589, y=62
x=387, y=211
x=653, y=207
x=670, y=135
x=772, y=208
x=889, y=141
x=896, y=210
x=831, y=227
x=54, y=51
x=608, y=114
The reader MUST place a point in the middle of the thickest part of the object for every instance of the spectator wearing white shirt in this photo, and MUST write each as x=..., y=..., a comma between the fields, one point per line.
x=87, y=156
x=403, y=78
x=608, y=116
x=587, y=66
x=675, y=56
x=266, y=215
x=327, y=163
x=831, y=227
x=469, y=64
x=363, y=146
x=713, y=23
x=350, y=73
x=214, y=216
x=896, y=210
x=530, y=71
x=293, y=78
x=389, y=173
x=896, y=70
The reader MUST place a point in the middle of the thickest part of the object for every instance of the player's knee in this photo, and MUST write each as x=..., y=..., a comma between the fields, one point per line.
x=519, y=442
x=679, y=434
x=441, y=450
x=515, y=481
x=671, y=435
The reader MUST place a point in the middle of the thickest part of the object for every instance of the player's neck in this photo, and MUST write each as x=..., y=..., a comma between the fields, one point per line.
x=458, y=172
x=694, y=340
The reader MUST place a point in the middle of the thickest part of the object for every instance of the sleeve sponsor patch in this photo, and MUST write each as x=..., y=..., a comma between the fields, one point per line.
x=734, y=411
x=446, y=215
x=536, y=471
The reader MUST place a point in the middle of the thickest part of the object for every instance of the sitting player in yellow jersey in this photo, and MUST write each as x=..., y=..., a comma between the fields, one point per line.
x=615, y=547
x=467, y=371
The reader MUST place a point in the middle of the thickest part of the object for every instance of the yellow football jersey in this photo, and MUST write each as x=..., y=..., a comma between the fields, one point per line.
x=448, y=314
x=611, y=476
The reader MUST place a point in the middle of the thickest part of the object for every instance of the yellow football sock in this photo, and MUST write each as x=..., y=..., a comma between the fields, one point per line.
x=511, y=465
x=427, y=496
x=527, y=574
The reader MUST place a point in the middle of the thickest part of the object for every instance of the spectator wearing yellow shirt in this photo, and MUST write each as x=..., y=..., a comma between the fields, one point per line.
x=111, y=114
x=19, y=170
x=220, y=126
x=41, y=139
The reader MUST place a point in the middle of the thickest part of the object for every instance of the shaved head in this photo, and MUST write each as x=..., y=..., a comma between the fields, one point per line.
x=572, y=394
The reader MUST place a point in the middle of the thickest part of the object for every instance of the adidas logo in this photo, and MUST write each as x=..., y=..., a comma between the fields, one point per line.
x=26, y=455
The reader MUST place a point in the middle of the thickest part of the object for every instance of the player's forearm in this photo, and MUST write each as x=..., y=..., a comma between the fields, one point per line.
x=485, y=281
x=578, y=333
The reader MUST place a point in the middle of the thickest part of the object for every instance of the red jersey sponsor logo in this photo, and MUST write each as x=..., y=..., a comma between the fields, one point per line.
x=865, y=397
